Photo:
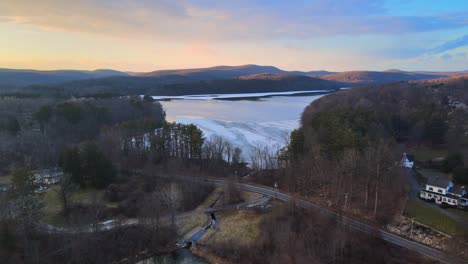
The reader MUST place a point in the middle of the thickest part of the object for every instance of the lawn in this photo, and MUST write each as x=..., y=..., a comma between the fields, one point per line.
x=53, y=202
x=5, y=179
x=53, y=206
x=462, y=214
x=236, y=226
x=424, y=153
x=250, y=196
x=432, y=217
x=187, y=224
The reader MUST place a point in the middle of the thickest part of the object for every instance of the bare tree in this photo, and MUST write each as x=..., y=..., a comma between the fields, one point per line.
x=172, y=197
x=151, y=209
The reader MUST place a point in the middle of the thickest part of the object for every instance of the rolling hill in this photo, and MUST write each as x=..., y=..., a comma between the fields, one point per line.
x=353, y=78
x=217, y=72
x=169, y=85
x=16, y=77
x=403, y=99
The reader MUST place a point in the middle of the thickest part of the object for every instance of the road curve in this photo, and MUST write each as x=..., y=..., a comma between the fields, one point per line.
x=389, y=237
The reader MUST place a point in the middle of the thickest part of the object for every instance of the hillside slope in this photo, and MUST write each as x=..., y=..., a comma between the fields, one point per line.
x=423, y=112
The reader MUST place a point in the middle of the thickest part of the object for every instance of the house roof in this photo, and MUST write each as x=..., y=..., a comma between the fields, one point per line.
x=48, y=173
x=457, y=190
x=438, y=182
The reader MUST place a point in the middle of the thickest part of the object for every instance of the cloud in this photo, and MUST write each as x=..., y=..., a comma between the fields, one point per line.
x=450, y=45
x=201, y=20
x=461, y=55
x=446, y=56
x=404, y=52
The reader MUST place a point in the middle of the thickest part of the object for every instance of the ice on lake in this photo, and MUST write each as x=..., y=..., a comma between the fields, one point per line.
x=243, y=123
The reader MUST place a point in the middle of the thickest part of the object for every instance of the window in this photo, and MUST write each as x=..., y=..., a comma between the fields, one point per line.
x=430, y=195
x=431, y=189
x=445, y=200
x=439, y=190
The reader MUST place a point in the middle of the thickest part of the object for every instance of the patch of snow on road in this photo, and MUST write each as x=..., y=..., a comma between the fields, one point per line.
x=246, y=135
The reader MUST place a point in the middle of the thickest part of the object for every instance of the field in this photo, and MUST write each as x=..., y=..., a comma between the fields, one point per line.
x=53, y=204
x=432, y=217
x=424, y=153
x=5, y=179
x=241, y=227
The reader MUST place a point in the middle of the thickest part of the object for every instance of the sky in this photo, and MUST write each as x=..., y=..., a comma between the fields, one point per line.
x=149, y=35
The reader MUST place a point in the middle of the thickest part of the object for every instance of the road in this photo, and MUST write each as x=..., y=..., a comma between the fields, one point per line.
x=389, y=237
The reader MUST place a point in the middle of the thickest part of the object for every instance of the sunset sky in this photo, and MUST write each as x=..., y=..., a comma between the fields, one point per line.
x=148, y=35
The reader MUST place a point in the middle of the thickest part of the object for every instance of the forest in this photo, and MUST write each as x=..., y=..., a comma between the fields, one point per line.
x=118, y=152
x=124, y=157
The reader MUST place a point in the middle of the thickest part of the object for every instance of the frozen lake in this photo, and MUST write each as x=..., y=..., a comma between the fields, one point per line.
x=244, y=123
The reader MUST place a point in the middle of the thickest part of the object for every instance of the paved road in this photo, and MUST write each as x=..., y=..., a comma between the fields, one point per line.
x=389, y=237
x=413, y=194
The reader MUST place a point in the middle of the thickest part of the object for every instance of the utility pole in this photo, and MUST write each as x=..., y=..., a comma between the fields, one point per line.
x=404, y=206
x=276, y=187
x=411, y=232
x=346, y=201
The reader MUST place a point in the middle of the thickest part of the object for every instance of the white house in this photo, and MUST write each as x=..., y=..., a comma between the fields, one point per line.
x=405, y=162
x=4, y=187
x=442, y=191
x=48, y=176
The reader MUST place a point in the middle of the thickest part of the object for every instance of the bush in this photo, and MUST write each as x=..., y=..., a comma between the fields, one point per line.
x=460, y=175
x=452, y=161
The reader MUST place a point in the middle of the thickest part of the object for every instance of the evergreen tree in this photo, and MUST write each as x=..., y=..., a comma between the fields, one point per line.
x=99, y=170
x=71, y=163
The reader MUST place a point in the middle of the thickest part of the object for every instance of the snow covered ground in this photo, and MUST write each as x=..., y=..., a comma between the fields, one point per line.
x=246, y=135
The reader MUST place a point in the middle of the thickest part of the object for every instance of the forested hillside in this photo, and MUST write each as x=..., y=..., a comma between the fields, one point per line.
x=173, y=85
x=350, y=143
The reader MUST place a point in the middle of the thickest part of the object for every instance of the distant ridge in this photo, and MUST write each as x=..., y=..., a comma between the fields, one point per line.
x=20, y=77
x=217, y=72
x=218, y=79
x=354, y=78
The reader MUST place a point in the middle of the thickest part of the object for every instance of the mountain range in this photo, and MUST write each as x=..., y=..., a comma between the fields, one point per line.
x=219, y=79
